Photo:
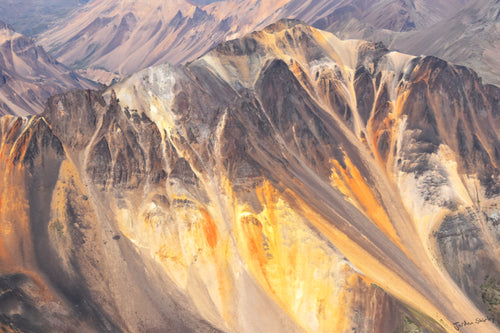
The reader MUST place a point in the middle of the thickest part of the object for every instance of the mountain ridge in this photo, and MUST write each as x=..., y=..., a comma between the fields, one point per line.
x=28, y=75
x=284, y=179
x=165, y=38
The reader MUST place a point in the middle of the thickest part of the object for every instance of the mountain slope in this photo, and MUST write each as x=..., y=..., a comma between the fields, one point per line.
x=463, y=32
x=362, y=17
x=28, y=75
x=124, y=37
x=470, y=37
x=286, y=181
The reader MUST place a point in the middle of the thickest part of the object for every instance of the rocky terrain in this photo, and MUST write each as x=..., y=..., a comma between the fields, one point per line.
x=113, y=39
x=29, y=76
x=124, y=36
x=284, y=181
x=469, y=37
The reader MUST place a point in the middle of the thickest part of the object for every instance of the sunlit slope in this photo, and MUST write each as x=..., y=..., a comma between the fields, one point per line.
x=124, y=36
x=115, y=38
x=286, y=181
x=29, y=76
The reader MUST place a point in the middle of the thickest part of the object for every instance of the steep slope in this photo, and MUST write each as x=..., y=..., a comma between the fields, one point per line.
x=123, y=37
x=28, y=75
x=355, y=18
x=470, y=37
x=126, y=36
x=286, y=181
x=463, y=32
x=460, y=31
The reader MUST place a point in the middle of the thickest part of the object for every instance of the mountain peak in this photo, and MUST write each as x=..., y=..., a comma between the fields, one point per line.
x=283, y=24
x=291, y=179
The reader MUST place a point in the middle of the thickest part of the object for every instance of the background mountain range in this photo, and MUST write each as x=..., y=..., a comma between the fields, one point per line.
x=461, y=31
x=29, y=76
x=109, y=40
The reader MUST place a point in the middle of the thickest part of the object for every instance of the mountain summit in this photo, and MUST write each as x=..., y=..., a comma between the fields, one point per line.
x=287, y=181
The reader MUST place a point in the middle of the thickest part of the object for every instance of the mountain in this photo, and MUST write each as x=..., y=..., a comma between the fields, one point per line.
x=31, y=17
x=106, y=34
x=29, y=76
x=461, y=31
x=287, y=181
x=470, y=37
x=363, y=18
x=123, y=37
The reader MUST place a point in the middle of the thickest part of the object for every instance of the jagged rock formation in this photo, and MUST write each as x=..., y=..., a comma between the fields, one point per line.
x=123, y=37
x=464, y=32
x=28, y=75
x=286, y=181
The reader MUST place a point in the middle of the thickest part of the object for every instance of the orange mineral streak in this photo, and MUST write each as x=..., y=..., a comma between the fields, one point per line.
x=253, y=233
x=350, y=182
x=209, y=228
x=402, y=97
x=220, y=257
x=5, y=230
x=194, y=251
x=225, y=288
x=4, y=193
x=16, y=248
x=14, y=220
